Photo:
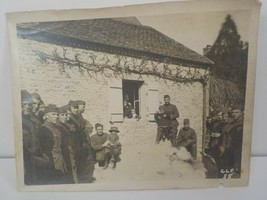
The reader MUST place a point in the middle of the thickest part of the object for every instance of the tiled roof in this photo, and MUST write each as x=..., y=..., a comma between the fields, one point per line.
x=113, y=36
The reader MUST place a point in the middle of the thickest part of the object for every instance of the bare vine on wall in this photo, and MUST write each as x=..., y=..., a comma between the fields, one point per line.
x=120, y=67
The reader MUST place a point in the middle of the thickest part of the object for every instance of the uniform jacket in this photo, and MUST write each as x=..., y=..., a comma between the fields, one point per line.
x=30, y=174
x=171, y=112
x=162, y=121
x=50, y=140
x=234, y=139
x=66, y=144
x=97, y=141
x=186, y=137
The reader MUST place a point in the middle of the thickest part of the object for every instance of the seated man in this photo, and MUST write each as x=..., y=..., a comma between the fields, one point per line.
x=164, y=123
x=187, y=138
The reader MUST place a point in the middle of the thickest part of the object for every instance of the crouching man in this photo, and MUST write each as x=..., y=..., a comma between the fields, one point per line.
x=187, y=138
x=99, y=144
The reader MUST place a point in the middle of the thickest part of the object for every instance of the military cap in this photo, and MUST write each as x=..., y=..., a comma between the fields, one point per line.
x=80, y=102
x=98, y=125
x=186, y=121
x=67, y=107
x=26, y=96
x=51, y=108
x=166, y=96
x=73, y=103
x=35, y=95
x=63, y=109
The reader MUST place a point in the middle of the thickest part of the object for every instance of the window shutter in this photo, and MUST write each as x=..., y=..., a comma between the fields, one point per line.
x=116, y=101
x=153, y=103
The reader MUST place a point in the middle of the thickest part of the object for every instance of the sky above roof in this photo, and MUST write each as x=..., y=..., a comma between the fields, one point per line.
x=197, y=30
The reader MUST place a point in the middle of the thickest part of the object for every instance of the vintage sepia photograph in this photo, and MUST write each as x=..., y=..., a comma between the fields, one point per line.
x=150, y=100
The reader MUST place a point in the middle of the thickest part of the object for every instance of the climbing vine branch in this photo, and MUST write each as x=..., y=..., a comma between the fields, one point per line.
x=121, y=66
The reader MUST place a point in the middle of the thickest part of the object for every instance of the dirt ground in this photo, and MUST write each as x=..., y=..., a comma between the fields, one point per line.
x=143, y=160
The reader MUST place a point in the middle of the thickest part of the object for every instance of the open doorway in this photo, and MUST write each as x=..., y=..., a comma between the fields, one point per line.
x=131, y=98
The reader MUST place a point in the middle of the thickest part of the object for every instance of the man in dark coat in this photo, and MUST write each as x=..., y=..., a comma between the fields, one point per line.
x=86, y=165
x=67, y=146
x=37, y=101
x=171, y=113
x=187, y=138
x=217, y=139
x=50, y=139
x=233, y=143
x=34, y=159
x=30, y=174
x=75, y=127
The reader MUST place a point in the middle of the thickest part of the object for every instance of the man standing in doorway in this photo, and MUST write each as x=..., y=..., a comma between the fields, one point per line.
x=171, y=113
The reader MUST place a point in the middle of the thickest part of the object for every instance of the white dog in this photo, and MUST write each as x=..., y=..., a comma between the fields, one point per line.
x=180, y=153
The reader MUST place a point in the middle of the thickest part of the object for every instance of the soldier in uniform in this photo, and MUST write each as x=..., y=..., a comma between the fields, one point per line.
x=171, y=113
x=67, y=146
x=34, y=159
x=36, y=98
x=50, y=140
x=40, y=113
x=86, y=164
x=74, y=125
x=232, y=143
x=187, y=138
x=30, y=174
x=99, y=143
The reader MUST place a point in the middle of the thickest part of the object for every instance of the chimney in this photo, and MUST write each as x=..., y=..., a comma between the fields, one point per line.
x=206, y=50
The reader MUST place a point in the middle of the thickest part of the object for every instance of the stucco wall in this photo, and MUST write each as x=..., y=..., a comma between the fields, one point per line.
x=59, y=87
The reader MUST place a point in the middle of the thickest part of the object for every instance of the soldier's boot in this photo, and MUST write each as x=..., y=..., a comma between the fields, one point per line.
x=173, y=141
x=106, y=164
x=163, y=138
x=114, y=164
x=113, y=161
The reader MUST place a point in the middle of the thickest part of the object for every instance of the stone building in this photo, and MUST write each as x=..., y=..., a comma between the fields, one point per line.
x=102, y=60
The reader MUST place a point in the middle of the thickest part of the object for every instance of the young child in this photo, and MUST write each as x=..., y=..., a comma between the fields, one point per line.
x=114, y=145
x=163, y=120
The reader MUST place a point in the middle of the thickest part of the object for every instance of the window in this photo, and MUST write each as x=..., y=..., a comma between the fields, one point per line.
x=131, y=98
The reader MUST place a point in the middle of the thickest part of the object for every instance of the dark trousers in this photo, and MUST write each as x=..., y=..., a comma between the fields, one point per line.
x=85, y=168
x=173, y=132
x=192, y=148
x=163, y=132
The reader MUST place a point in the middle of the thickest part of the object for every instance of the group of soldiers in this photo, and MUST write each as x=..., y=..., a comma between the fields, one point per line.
x=57, y=144
x=225, y=135
x=59, y=148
